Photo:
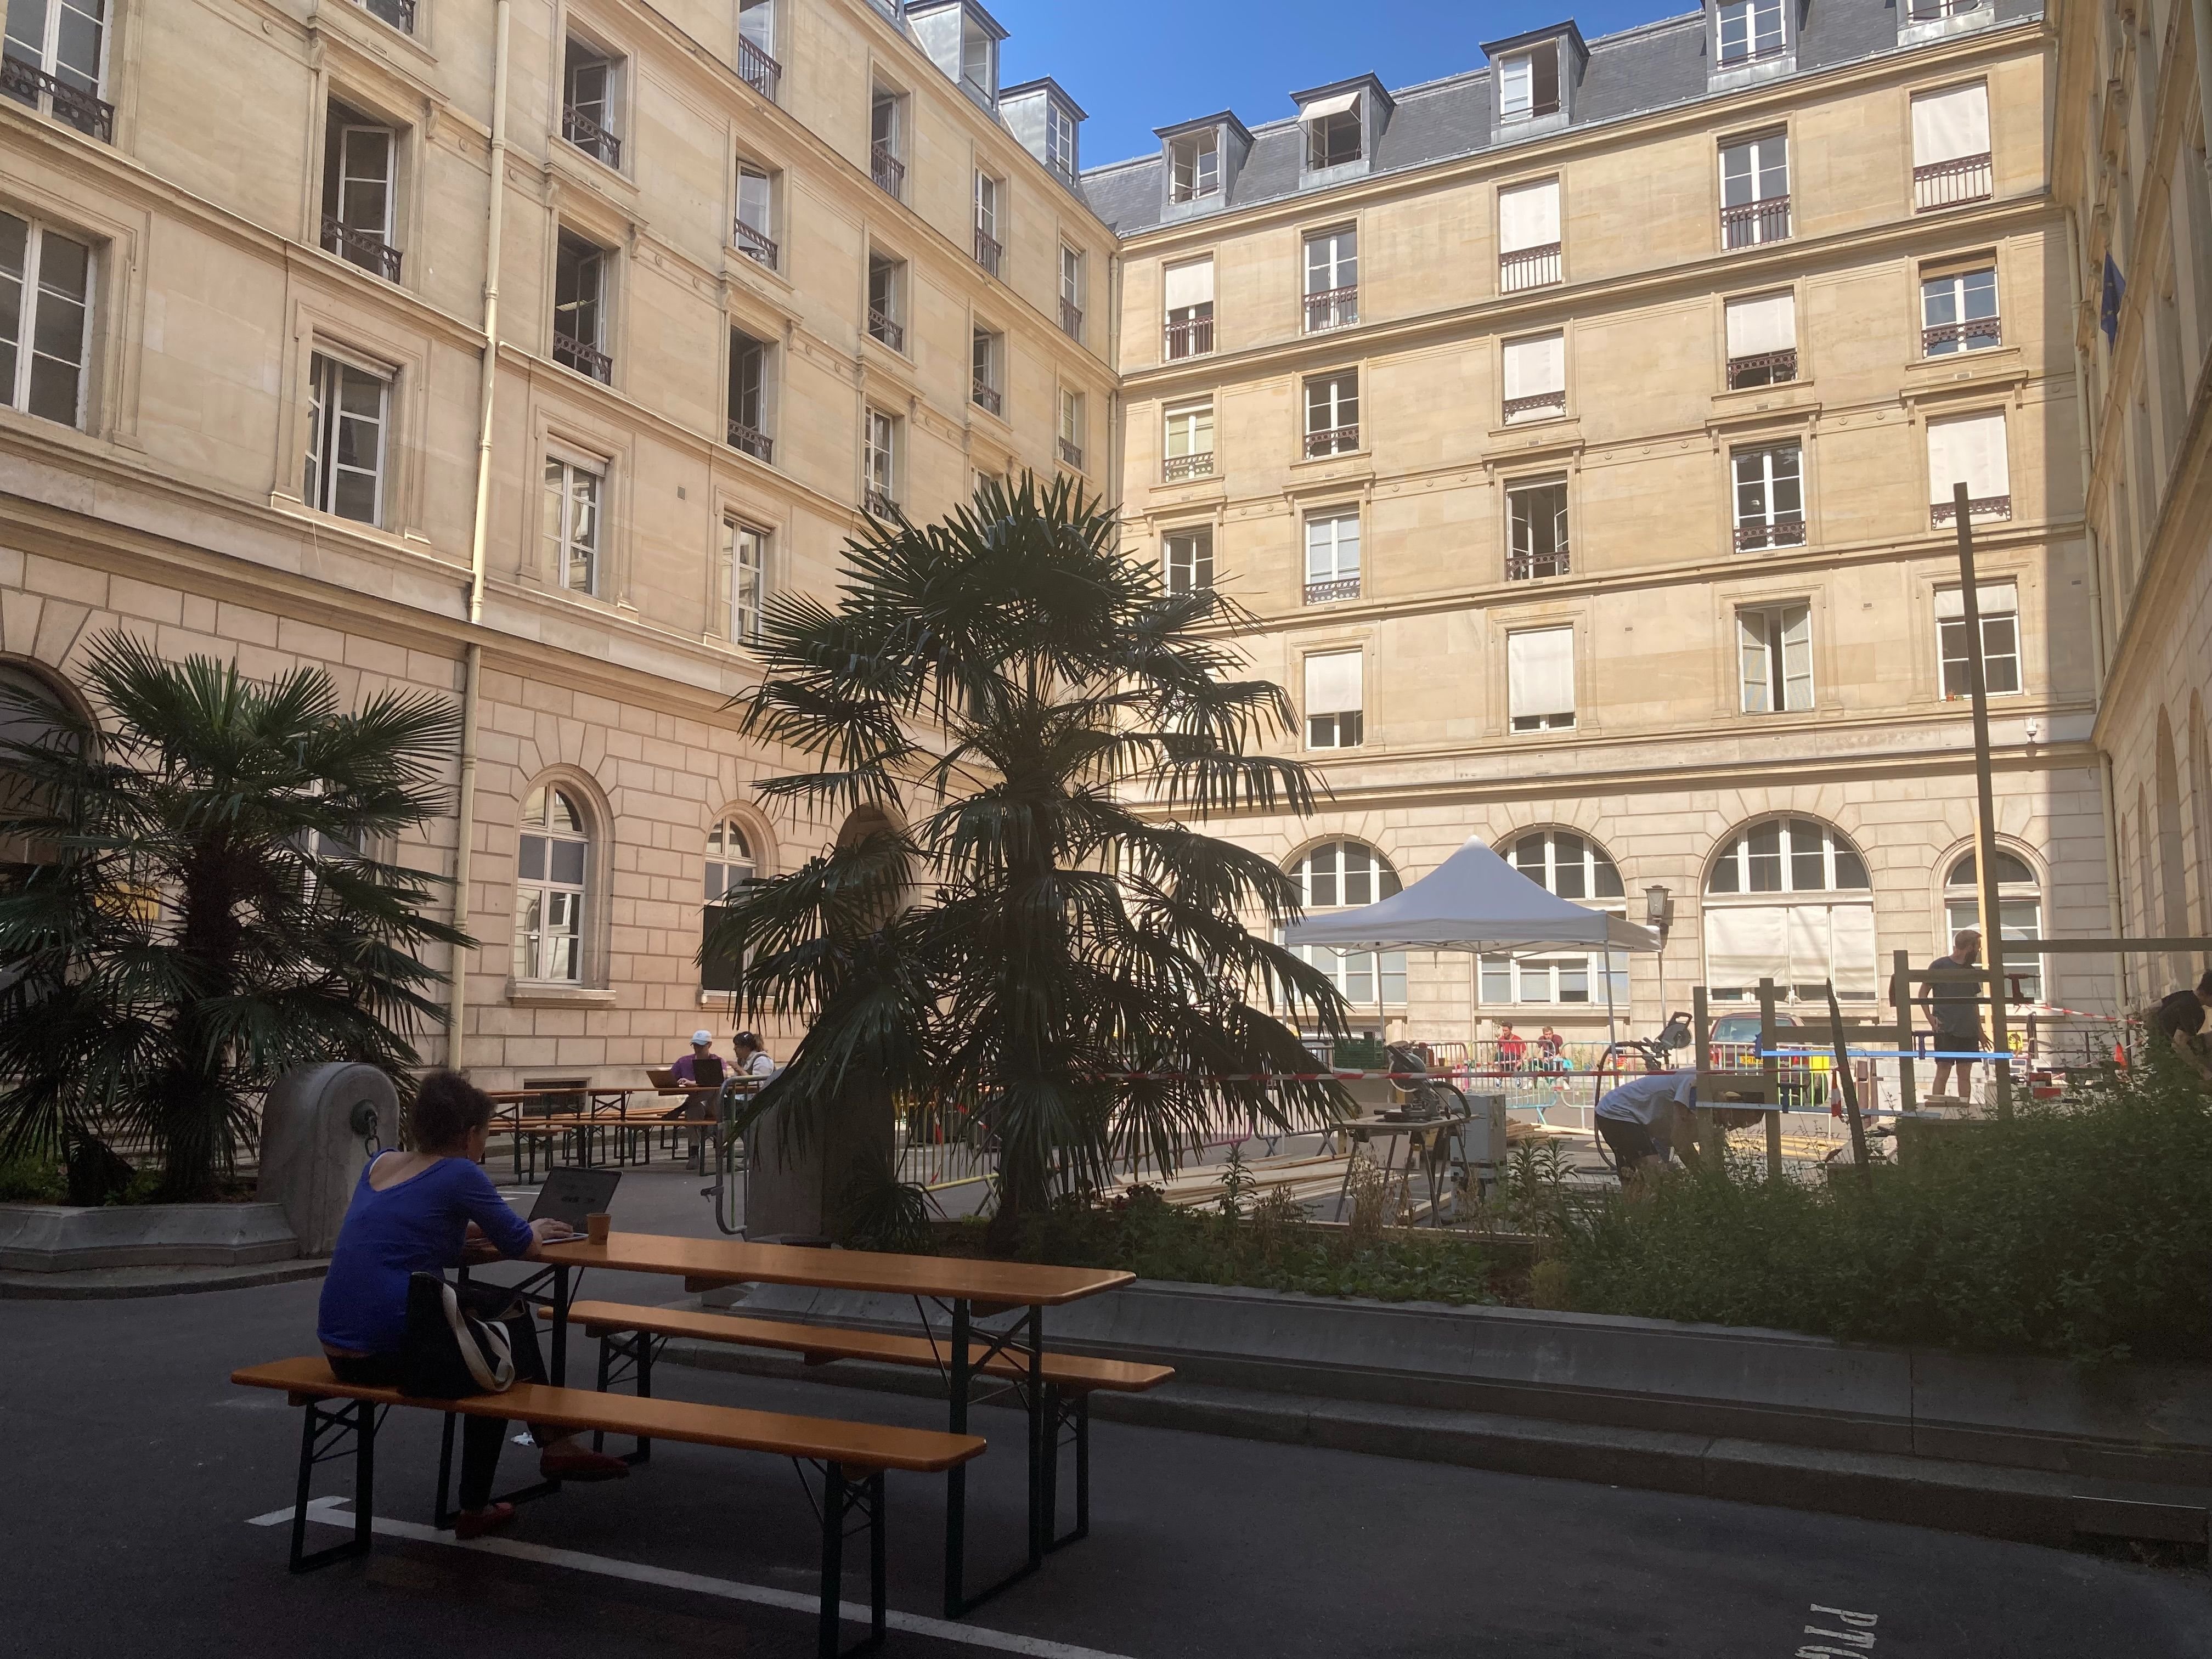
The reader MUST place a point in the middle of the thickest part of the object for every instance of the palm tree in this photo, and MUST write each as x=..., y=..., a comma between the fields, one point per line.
x=1000, y=934
x=209, y=910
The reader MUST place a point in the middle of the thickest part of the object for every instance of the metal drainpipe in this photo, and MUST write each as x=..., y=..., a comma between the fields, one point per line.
x=465, y=793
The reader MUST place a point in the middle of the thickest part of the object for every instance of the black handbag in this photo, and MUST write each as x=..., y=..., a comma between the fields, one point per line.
x=454, y=1348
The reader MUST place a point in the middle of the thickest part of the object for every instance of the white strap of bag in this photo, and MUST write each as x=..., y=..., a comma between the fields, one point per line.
x=498, y=1377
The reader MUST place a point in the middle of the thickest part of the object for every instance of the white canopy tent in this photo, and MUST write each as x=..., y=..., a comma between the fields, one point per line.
x=1474, y=901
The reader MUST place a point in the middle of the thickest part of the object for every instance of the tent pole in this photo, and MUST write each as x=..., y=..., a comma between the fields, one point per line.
x=1612, y=1036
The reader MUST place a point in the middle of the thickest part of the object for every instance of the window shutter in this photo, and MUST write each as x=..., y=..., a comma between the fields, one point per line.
x=1333, y=683
x=1535, y=365
x=1190, y=285
x=1971, y=451
x=1514, y=87
x=1539, y=668
x=1767, y=323
x=1743, y=946
x=1751, y=627
x=1797, y=657
x=1947, y=125
x=1991, y=599
x=1528, y=217
x=1325, y=106
x=1851, y=950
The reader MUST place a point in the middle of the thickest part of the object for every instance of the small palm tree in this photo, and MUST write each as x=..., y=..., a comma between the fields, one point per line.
x=1000, y=934
x=209, y=911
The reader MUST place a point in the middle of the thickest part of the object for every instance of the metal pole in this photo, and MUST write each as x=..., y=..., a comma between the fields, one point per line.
x=1986, y=828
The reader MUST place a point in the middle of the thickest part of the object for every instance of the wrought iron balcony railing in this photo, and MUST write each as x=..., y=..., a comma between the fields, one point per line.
x=752, y=440
x=361, y=247
x=1763, y=368
x=1070, y=320
x=1752, y=534
x=1976, y=335
x=73, y=106
x=987, y=250
x=757, y=70
x=878, y=504
x=1191, y=338
x=588, y=136
x=583, y=356
x=1977, y=507
x=987, y=398
x=881, y=327
x=1536, y=402
x=1335, y=588
x=1952, y=183
x=889, y=172
x=1332, y=441
x=1335, y=307
x=753, y=245
x=1071, y=453
x=1527, y=267
x=1179, y=469
x=1528, y=567
x=1749, y=223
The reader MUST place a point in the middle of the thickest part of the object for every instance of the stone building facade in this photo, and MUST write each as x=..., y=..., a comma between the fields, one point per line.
x=752, y=261
x=2133, y=85
x=1582, y=430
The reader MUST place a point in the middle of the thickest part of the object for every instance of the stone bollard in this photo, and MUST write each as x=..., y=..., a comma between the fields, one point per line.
x=312, y=1131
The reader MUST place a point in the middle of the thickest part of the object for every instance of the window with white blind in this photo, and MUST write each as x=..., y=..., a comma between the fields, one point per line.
x=1529, y=236
x=1539, y=679
x=1187, y=291
x=1529, y=83
x=1770, y=497
x=45, y=319
x=1969, y=450
x=1774, y=643
x=1958, y=312
x=1755, y=192
x=348, y=413
x=1187, y=441
x=572, y=524
x=1335, y=711
x=1332, y=279
x=1762, y=339
x=1331, y=557
x=1189, y=556
x=1575, y=867
x=1951, y=147
x=1535, y=377
x=1816, y=928
x=744, y=577
x=1999, y=605
x=1332, y=413
x=1341, y=875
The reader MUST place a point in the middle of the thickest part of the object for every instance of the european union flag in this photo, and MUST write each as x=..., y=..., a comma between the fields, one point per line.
x=2115, y=290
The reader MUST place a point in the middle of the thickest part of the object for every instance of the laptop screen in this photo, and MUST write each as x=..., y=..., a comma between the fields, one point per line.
x=570, y=1195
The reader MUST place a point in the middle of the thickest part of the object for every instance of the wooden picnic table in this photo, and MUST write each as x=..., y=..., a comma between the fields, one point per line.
x=970, y=1289
x=603, y=1108
x=1412, y=1130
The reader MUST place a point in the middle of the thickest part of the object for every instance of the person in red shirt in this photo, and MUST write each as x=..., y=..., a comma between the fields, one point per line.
x=1512, y=1049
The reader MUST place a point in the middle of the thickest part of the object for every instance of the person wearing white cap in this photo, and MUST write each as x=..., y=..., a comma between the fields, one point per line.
x=702, y=1066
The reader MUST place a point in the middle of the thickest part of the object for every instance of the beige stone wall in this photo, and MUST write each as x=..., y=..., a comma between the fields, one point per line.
x=2130, y=166
x=1662, y=764
x=176, y=508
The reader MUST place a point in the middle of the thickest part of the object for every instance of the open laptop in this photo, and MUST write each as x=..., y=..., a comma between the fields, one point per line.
x=570, y=1195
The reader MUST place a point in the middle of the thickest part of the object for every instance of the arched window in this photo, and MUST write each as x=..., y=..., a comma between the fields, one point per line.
x=1788, y=899
x=1339, y=875
x=2019, y=913
x=36, y=714
x=553, y=862
x=729, y=868
x=1574, y=867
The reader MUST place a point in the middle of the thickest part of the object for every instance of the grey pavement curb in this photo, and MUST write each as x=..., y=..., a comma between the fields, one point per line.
x=2026, y=1505
x=108, y=1283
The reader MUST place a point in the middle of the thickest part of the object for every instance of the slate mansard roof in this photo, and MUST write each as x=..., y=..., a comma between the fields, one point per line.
x=1653, y=66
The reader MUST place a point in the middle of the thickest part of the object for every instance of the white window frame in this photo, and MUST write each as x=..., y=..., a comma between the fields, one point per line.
x=1358, y=975
x=1544, y=981
x=1770, y=661
x=1187, y=556
x=1548, y=720
x=1332, y=547
x=2000, y=644
x=31, y=304
x=745, y=552
x=1520, y=546
x=1516, y=83
x=1747, y=13
x=1338, y=734
x=1962, y=911
x=1059, y=151
x=561, y=529
x=47, y=49
x=1194, y=167
x=326, y=371
x=387, y=182
x=1181, y=426
x=1335, y=402
x=880, y=453
x=762, y=224
x=987, y=205
x=1833, y=851
x=531, y=958
x=1765, y=477
x=1950, y=286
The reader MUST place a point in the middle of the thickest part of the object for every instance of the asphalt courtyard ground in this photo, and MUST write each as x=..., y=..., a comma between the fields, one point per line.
x=135, y=1471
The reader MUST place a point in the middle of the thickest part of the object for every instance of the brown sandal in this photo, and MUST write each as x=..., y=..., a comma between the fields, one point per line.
x=475, y=1523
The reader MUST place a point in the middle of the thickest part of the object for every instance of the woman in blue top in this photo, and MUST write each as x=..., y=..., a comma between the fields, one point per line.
x=422, y=1211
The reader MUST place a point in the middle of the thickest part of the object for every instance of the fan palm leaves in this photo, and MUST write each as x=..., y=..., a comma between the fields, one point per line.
x=208, y=908
x=1010, y=719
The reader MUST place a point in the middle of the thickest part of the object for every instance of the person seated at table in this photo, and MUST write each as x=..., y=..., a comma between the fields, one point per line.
x=1549, y=1045
x=752, y=1059
x=702, y=1067
x=1646, y=1117
x=1512, y=1049
x=423, y=1210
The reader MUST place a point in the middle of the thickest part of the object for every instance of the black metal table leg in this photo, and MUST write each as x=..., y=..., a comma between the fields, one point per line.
x=1040, y=1509
x=358, y=1417
x=955, y=1480
x=557, y=1367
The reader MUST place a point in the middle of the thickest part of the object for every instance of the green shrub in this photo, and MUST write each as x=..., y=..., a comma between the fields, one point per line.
x=2080, y=1229
x=1274, y=1248
x=29, y=1181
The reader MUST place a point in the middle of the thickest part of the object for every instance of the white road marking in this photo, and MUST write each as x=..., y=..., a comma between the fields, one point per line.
x=334, y=1512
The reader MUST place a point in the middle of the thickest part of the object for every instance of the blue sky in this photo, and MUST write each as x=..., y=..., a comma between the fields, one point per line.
x=1137, y=64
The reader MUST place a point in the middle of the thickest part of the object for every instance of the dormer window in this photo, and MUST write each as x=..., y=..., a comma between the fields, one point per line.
x=1060, y=140
x=1529, y=83
x=1334, y=132
x=976, y=70
x=1194, y=167
x=1750, y=30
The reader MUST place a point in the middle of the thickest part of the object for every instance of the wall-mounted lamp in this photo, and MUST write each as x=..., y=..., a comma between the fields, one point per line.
x=1655, y=909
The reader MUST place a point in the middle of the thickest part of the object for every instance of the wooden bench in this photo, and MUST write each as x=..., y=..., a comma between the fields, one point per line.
x=1069, y=1379
x=852, y=1456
